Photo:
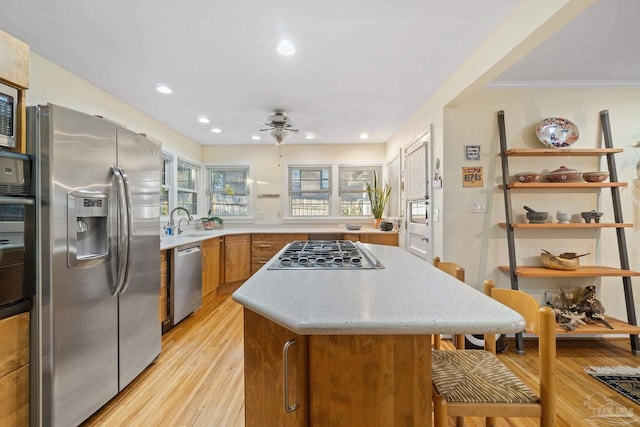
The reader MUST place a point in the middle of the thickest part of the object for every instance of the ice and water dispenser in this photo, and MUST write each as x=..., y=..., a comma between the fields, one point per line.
x=88, y=231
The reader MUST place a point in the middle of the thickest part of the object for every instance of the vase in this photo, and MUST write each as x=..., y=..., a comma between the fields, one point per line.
x=376, y=222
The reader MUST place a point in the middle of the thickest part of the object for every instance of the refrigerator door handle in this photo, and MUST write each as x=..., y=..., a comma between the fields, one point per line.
x=122, y=239
x=128, y=230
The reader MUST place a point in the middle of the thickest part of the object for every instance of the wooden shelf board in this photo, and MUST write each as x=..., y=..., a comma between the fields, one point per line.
x=587, y=271
x=570, y=225
x=619, y=327
x=533, y=152
x=531, y=185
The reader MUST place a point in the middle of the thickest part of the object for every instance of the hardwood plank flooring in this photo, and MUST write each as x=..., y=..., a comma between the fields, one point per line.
x=198, y=378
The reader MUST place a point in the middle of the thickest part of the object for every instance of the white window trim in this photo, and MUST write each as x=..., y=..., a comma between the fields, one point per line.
x=334, y=199
x=251, y=200
x=172, y=184
x=197, y=190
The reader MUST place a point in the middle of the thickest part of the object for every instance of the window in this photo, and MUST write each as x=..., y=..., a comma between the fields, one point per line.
x=187, y=185
x=309, y=191
x=228, y=190
x=352, y=189
x=165, y=184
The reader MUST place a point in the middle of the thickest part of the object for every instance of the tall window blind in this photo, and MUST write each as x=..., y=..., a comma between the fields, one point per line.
x=416, y=173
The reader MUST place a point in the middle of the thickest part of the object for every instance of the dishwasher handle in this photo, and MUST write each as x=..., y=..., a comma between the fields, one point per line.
x=188, y=251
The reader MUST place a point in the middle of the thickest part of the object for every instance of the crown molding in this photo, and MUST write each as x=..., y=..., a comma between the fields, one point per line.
x=569, y=84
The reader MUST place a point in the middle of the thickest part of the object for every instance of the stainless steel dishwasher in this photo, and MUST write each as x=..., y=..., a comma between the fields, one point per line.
x=186, y=283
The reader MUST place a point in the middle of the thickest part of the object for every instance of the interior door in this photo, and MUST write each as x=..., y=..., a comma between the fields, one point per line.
x=418, y=212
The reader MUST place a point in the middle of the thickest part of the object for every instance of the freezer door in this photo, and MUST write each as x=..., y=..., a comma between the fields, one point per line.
x=79, y=330
x=139, y=328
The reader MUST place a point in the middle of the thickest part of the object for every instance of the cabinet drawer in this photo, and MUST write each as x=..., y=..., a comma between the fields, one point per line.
x=237, y=238
x=257, y=264
x=266, y=249
x=265, y=237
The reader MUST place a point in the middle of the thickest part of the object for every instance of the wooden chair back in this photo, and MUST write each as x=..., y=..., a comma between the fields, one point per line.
x=455, y=270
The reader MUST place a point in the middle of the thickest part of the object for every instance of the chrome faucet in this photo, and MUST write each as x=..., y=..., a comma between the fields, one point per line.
x=171, y=223
x=180, y=222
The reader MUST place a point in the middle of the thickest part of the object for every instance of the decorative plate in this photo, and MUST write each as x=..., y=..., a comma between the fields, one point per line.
x=556, y=132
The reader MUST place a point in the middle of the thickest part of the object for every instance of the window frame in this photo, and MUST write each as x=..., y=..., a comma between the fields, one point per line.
x=366, y=213
x=334, y=192
x=196, y=184
x=248, y=189
x=321, y=167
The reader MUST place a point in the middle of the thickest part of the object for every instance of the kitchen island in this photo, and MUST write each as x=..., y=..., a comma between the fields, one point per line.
x=353, y=347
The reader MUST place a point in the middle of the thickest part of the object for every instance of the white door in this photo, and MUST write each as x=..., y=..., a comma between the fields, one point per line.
x=418, y=211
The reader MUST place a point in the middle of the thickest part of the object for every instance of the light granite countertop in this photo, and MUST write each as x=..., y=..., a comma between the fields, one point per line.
x=194, y=236
x=408, y=296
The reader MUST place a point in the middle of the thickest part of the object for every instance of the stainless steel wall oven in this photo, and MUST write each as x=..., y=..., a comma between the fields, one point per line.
x=17, y=234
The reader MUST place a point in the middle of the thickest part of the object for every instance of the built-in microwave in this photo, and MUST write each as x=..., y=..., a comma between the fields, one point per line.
x=8, y=97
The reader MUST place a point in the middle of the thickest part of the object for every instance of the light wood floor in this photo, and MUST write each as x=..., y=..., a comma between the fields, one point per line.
x=198, y=379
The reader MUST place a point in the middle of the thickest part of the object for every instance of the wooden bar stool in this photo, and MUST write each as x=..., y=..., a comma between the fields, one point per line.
x=476, y=383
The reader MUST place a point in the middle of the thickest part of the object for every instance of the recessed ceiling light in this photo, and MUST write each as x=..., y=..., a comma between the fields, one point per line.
x=364, y=136
x=203, y=119
x=255, y=137
x=164, y=89
x=285, y=47
x=216, y=130
x=309, y=136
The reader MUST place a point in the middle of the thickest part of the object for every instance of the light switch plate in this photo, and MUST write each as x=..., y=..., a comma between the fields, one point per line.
x=478, y=205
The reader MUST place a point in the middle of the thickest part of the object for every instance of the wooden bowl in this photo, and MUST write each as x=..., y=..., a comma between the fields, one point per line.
x=598, y=176
x=560, y=262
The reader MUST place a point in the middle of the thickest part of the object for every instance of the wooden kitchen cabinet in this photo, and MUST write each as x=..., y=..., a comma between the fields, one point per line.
x=335, y=380
x=264, y=246
x=264, y=343
x=237, y=257
x=389, y=239
x=210, y=265
x=162, y=306
x=14, y=370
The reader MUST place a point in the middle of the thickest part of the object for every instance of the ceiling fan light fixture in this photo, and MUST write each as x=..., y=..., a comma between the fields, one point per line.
x=280, y=134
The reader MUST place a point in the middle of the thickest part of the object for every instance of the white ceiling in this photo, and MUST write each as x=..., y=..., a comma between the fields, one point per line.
x=360, y=65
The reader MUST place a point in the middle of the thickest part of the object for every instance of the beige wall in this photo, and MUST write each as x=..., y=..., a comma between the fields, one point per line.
x=530, y=23
x=479, y=244
x=53, y=84
x=269, y=169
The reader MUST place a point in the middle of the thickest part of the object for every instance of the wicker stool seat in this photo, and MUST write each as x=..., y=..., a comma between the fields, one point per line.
x=477, y=376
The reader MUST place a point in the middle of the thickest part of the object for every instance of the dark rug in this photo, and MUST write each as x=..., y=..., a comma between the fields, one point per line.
x=623, y=379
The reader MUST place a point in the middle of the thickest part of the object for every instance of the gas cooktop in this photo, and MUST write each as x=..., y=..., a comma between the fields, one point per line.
x=325, y=255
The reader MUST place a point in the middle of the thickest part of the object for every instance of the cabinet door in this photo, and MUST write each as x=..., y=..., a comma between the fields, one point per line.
x=210, y=266
x=265, y=371
x=237, y=258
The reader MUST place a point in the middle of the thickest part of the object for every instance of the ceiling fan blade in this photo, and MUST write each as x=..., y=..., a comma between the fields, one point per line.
x=262, y=130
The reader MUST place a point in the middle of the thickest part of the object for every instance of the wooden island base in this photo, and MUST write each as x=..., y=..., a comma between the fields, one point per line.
x=336, y=380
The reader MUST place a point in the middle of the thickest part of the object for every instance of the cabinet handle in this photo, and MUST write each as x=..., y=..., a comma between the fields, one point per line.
x=226, y=252
x=285, y=370
x=262, y=262
x=204, y=258
x=265, y=246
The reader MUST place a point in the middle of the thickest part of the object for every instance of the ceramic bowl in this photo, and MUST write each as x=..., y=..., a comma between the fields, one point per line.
x=564, y=174
x=527, y=176
x=563, y=217
x=598, y=176
x=537, y=217
x=353, y=226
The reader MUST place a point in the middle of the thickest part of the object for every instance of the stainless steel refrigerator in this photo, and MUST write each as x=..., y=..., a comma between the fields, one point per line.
x=95, y=313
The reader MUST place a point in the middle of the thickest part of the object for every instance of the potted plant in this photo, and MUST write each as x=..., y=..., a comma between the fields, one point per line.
x=209, y=222
x=378, y=196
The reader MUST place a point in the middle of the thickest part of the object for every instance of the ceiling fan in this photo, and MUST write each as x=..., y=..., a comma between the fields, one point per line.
x=279, y=125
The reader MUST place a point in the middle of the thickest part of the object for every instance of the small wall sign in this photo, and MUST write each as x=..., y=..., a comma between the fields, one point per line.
x=472, y=176
x=472, y=152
